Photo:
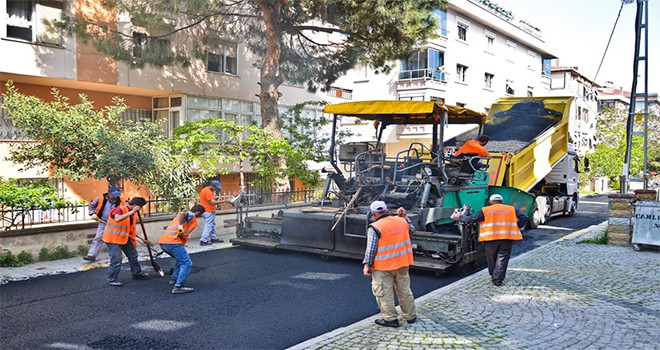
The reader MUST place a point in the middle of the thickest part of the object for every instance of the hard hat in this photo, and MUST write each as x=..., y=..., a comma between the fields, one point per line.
x=496, y=197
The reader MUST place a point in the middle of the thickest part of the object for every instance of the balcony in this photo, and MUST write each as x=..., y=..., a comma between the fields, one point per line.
x=418, y=79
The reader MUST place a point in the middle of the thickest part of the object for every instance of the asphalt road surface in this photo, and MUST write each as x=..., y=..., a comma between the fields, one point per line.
x=243, y=299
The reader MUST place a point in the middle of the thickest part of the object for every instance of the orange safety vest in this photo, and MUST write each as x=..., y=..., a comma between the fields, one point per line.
x=102, y=201
x=171, y=236
x=500, y=222
x=394, y=247
x=472, y=147
x=118, y=232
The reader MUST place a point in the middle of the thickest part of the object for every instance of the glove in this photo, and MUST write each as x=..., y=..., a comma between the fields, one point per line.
x=95, y=217
x=180, y=230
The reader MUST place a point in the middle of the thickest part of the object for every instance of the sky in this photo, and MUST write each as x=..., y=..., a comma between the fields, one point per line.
x=577, y=32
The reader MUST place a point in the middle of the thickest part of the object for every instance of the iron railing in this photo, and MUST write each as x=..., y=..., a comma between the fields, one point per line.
x=15, y=218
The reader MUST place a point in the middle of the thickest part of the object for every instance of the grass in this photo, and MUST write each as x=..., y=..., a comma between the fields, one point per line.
x=602, y=239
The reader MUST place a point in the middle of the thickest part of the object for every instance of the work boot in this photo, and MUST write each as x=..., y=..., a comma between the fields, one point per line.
x=202, y=243
x=216, y=240
x=141, y=276
x=412, y=320
x=115, y=284
x=382, y=322
x=181, y=290
x=89, y=258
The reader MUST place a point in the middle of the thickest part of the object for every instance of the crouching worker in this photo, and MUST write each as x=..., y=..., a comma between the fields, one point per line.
x=120, y=236
x=173, y=242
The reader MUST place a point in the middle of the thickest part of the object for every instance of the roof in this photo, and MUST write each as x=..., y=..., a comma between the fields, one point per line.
x=406, y=112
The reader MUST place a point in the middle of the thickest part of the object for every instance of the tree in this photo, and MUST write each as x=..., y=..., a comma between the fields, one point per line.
x=312, y=41
x=81, y=142
x=607, y=159
x=212, y=144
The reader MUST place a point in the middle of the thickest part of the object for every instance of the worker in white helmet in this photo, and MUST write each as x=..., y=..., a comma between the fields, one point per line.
x=499, y=227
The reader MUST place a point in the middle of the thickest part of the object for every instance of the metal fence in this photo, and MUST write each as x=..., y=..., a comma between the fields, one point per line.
x=22, y=218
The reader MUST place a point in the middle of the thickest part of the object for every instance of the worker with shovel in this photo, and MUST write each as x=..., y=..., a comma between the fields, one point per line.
x=173, y=242
x=120, y=236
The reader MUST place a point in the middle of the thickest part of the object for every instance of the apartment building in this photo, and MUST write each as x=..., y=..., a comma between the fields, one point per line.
x=482, y=53
x=568, y=81
x=223, y=85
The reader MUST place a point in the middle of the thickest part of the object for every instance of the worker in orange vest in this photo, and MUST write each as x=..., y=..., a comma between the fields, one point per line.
x=207, y=198
x=173, y=242
x=386, y=259
x=120, y=236
x=474, y=148
x=99, y=210
x=499, y=227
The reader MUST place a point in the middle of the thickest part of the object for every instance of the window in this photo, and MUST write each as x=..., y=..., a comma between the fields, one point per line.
x=144, y=45
x=223, y=59
x=461, y=72
x=509, y=87
x=25, y=20
x=530, y=91
x=547, y=67
x=488, y=80
x=442, y=21
x=490, y=41
x=462, y=32
x=510, y=51
x=423, y=63
x=531, y=60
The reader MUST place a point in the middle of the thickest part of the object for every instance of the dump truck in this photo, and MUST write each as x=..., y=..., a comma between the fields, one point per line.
x=530, y=149
x=419, y=178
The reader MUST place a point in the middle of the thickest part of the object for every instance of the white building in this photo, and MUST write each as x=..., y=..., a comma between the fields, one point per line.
x=567, y=81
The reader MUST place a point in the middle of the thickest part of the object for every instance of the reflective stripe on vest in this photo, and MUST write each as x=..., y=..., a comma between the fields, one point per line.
x=500, y=222
x=171, y=235
x=394, y=247
x=117, y=232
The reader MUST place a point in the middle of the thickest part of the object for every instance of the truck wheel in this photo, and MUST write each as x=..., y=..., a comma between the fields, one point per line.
x=535, y=218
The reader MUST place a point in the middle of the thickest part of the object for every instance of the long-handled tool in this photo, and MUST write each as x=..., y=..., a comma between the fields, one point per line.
x=348, y=206
x=151, y=256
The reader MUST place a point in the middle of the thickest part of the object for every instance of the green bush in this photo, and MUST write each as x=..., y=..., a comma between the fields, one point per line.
x=25, y=257
x=7, y=259
x=82, y=249
x=55, y=253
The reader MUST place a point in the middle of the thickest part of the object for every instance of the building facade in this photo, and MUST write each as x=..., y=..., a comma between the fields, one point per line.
x=222, y=85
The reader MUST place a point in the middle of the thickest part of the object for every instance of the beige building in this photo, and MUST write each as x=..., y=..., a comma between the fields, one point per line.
x=223, y=85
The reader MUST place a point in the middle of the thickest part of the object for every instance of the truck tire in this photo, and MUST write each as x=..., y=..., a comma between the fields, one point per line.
x=534, y=219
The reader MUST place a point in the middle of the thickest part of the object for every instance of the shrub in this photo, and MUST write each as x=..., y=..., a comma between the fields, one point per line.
x=25, y=257
x=82, y=249
x=7, y=259
x=55, y=253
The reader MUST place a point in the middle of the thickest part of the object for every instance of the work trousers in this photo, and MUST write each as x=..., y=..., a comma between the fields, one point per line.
x=115, y=250
x=497, y=256
x=97, y=242
x=209, y=231
x=384, y=284
x=183, y=263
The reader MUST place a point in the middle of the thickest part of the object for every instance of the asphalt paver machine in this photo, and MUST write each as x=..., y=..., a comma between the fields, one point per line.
x=420, y=178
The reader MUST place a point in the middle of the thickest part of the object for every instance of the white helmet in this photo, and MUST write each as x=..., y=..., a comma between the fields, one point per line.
x=496, y=197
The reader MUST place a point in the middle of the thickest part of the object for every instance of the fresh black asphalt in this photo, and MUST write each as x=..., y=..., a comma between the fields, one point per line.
x=243, y=299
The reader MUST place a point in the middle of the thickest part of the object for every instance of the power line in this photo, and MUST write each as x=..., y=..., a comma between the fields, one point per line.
x=610, y=40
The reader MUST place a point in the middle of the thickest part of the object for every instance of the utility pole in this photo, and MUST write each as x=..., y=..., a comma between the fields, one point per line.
x=641, y=25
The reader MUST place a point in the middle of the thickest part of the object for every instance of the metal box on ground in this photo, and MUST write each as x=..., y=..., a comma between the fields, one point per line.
x=646, y=226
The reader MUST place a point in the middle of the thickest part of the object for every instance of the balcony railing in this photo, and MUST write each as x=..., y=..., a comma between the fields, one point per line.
x=426, y=74
x=15, y=218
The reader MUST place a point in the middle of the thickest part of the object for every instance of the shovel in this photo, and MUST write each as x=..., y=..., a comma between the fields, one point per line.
x=151, y=256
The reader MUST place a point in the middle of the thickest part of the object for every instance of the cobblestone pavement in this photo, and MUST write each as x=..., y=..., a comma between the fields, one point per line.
x=563, y=295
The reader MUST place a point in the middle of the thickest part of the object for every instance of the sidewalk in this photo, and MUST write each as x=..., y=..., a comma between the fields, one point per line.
x=562, y=295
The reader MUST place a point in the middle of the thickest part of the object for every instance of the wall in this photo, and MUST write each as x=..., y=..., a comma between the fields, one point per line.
x=75, y=234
